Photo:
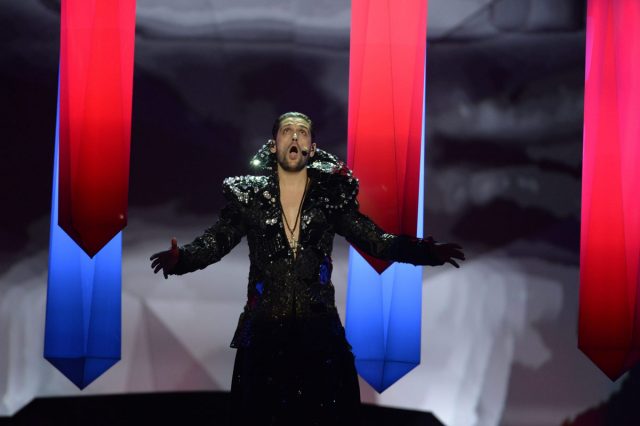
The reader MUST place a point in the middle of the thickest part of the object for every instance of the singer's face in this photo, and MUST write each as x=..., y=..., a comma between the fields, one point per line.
x=292, y=142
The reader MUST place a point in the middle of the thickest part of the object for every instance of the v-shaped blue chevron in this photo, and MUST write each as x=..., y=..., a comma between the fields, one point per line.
x=83, y=318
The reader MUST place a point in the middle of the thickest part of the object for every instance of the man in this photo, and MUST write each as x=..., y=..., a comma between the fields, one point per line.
x=293, y=364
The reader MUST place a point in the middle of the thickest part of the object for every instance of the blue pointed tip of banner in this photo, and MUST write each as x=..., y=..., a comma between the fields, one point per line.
x=381, y=374
x=82, y=370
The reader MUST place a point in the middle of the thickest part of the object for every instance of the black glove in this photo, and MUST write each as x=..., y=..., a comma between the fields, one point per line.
x=419, y=251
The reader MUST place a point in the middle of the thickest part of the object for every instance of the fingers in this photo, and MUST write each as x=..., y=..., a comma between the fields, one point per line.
x=448, y=245
x=448, y=251
x=454, y=250
x=458, y=255
x=157, y=259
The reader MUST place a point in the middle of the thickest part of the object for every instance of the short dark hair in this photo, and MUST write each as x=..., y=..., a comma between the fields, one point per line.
x=276, y=124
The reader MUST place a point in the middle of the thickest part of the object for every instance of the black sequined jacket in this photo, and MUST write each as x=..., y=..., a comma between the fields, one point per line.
x=288, y=294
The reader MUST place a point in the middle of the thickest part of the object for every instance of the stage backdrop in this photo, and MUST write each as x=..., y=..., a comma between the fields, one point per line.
x=505, y=86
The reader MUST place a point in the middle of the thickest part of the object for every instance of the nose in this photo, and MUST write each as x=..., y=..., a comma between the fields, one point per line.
x=295, y=136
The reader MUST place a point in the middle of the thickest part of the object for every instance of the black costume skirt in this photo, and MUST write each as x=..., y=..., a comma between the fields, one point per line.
x=294, y=384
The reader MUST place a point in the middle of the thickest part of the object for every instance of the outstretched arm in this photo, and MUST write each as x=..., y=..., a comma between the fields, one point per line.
x=208, y=248
x=363, y=233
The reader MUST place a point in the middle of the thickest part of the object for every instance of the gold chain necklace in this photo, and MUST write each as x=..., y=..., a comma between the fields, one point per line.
x=293, y=243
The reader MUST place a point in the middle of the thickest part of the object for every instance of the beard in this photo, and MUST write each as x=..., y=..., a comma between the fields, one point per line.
x=292, y=165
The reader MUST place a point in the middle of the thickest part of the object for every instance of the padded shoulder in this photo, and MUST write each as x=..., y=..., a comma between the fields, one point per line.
x=340, y=188
x=243, y=188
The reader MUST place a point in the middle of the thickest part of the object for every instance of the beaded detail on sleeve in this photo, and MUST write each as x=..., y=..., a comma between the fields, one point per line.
x=363, y=233
x=366, y=235
x=227, y=232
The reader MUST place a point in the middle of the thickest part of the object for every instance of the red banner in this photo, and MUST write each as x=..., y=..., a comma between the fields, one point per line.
x=386, y=89
x=610, y=229
x=96, y=84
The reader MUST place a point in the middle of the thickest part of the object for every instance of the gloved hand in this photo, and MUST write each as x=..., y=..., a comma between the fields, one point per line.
x=165, y=260
x=446, y=252
x=428, y=251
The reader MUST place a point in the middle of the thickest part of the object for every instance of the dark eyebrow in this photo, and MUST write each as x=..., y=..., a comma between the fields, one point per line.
x=284, y=126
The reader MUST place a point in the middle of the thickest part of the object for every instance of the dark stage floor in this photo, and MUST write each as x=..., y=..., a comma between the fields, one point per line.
x=187, y=408
x=209, y=408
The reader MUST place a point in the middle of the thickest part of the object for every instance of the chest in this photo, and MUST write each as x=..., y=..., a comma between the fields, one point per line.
x=292, y=201
x=270, y=235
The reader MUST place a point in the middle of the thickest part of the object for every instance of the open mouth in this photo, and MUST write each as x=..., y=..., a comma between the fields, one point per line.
x=293, y=153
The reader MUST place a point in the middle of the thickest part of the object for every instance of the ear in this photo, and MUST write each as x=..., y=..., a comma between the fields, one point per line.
x=272, y=146
x=313, y=149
